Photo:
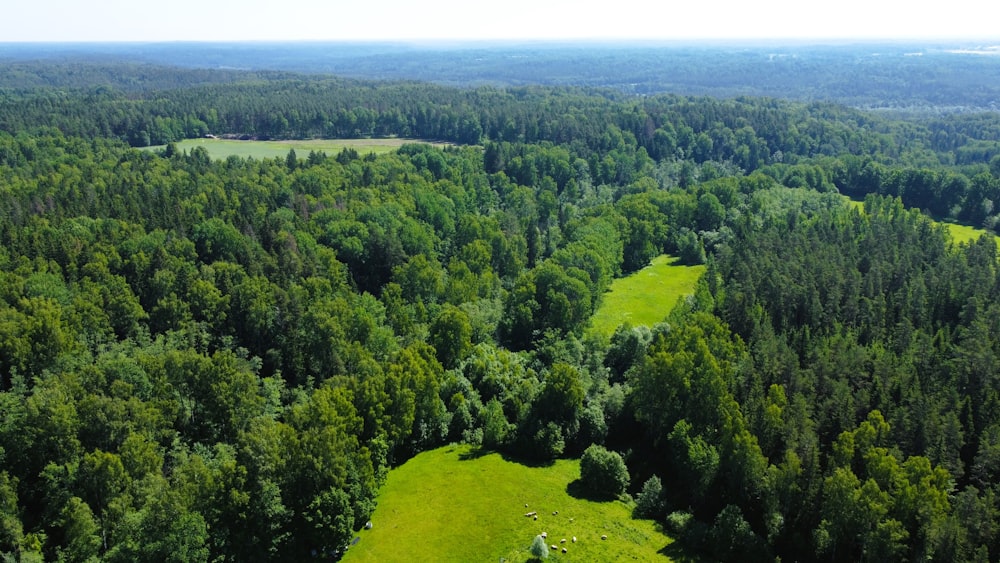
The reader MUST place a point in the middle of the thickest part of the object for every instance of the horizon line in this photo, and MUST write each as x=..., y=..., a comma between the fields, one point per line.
x=513, y=40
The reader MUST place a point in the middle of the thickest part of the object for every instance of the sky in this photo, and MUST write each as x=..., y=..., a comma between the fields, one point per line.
x=404, y=20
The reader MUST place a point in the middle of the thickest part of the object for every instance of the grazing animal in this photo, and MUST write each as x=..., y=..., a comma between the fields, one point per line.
x=604, y=537
x=574, y=539
x=564, y=550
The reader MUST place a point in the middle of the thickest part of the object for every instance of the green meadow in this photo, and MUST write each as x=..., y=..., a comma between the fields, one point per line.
x=451, y=504
x=959, y=233
x=965, y=233
x=223, y=148
x=647, y=296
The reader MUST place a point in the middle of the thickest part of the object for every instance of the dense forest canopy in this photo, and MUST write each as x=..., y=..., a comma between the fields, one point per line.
x=923, y=76
x=221, y=359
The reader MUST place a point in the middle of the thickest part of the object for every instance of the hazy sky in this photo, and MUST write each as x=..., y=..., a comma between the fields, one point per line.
x=222, y=20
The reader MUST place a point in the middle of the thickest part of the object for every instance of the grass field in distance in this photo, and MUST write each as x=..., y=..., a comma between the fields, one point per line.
x=450, y=504
x=221, y=148
x=646, y=296
x=959, y=233
x=965, y=233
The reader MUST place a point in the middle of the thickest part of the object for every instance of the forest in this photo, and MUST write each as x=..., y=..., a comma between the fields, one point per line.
x=913, y=76
x=221, y=360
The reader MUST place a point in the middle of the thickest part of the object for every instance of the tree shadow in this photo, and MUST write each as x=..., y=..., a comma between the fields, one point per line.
x=479, y=451
x=677, y=552
x=527, y=461
x=474, y=453
x=578, y=490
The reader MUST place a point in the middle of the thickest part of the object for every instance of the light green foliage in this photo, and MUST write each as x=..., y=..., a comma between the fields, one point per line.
x=887, y=504
x=539, y=548
x=504, y=375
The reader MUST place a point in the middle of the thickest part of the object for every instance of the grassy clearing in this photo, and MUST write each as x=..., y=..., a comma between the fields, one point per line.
x=221, y=148
x=645, y=297
x=959, y=233
x=452, y=505
x=965, y=233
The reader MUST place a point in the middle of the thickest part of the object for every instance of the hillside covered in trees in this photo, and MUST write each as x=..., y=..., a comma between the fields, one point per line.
x=902, y=75
x=221, y=359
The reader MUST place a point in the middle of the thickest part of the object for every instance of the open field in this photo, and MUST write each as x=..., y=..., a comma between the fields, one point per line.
x=450, y=504
x=965, y=233
x=647, y=296
x=222, y=148
x=959, y=233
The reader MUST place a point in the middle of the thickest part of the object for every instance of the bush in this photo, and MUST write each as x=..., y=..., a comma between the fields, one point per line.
x=538, y=548
x=649, y=503
x=496, y=429
x=548, y=442
x=731, y=538
x=689, y=531
x=603, y=472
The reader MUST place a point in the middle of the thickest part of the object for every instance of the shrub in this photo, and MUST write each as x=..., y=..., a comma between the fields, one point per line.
x=603, y=472
x=649, y=503
x=538, y=548
x=731, y=538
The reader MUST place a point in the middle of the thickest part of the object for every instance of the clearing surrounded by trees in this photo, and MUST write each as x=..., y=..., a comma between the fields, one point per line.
x=647, y=296
x=222, y=148
x=451, y=504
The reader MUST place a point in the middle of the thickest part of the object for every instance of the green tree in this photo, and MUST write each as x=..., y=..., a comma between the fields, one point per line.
x=11, y=528
x=82, y=534
x=451, y=336
x=561, y=397
x=496, y=428
x=603, y=472
x=711, y=213
x=732, y=539
x=650, y=502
